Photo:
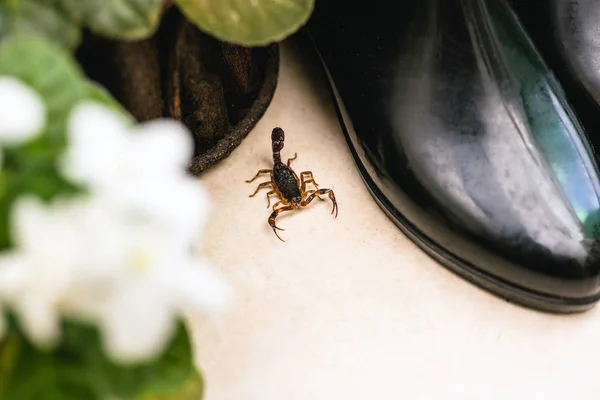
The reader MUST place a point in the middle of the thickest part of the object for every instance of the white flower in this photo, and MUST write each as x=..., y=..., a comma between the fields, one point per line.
x=153, y=280
x=132, y=278
x=140, y=167
x=23, y=111
x=122, y=256
x=35, y=274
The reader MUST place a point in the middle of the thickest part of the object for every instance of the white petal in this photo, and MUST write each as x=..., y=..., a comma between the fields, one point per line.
x=96, y=123
x=98, y=141
x=199, y=288
x=14, y=274
x=190, y=207
x=23, y=111
x=137, y=325
x=30, y=217
x=163, y=145
x=49, y=231
x=39, y=320
x=180, y=205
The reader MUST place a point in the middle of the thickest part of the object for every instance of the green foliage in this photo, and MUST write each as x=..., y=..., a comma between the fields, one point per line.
x=117, y=19
x=79, y=369
x=31, y=168
x=61, y=21
x=44, y=18
x=248, y=22
x=51, y=72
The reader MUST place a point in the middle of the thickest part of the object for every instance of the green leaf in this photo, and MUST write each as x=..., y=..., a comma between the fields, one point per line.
x=117, y=19
x=49, y=70
x=79, y=369
x=45, y=18
x=248, y=22
x=192, y=389
x=9, y=352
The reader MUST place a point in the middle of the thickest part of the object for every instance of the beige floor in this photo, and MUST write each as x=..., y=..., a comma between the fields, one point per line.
x=350, y=309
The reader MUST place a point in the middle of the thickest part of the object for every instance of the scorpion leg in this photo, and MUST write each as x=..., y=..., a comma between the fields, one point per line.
x=303, y=188
x=289, y=161
x=274, y=215
x=262, y=185
x=307, y=176
x=269, y=198
x=322, y=192
x=284, y=202
x=262, y=171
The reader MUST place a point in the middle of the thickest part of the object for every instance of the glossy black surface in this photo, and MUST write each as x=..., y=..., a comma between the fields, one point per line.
x=465, y=139
x=567, y=33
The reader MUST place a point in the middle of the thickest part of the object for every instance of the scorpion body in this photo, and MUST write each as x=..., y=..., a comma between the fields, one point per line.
x=287, y=183
x=290, y=188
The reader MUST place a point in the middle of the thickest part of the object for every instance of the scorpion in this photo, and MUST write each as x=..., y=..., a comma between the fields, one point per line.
x=284, y=183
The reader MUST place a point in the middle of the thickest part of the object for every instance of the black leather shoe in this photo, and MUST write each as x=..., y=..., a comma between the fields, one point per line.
x=466, y=141
x=567, y=34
